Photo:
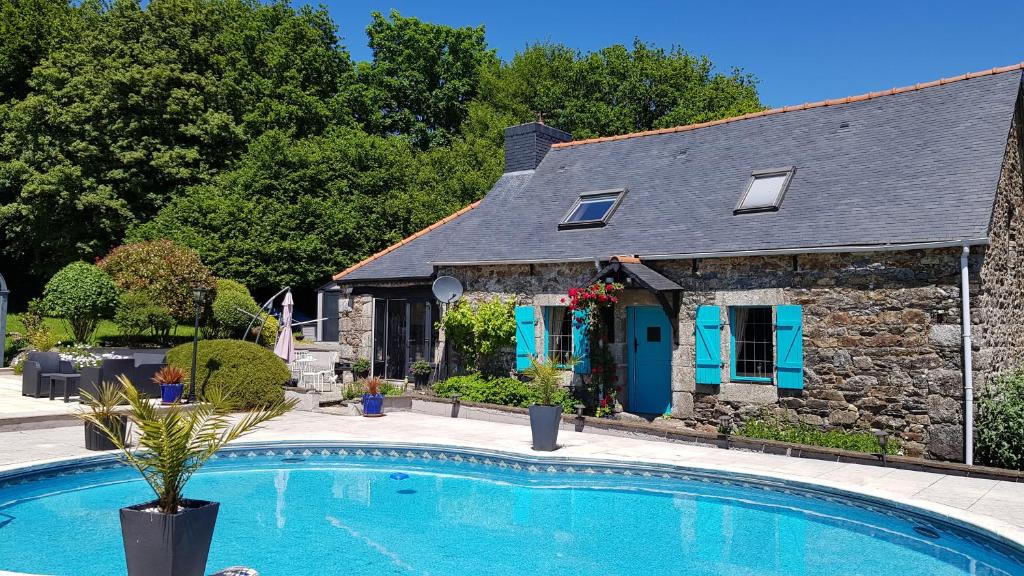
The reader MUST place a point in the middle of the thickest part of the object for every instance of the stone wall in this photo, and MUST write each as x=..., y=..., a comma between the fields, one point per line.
x=997, y=304
x=882, y=330
x=881, y=336
x=355, y=332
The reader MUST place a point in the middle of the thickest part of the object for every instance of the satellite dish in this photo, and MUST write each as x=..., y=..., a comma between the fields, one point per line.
x=447, y=289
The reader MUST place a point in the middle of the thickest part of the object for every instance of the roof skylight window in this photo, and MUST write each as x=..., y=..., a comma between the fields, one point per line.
x=592, y=209
x=765, y=191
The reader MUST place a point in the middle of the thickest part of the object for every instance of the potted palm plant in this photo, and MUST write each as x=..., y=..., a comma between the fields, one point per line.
x=171, y=536
x=170, y=379
x=373, y=400
x=421, y=371
x=545, y=415
x=101, y=407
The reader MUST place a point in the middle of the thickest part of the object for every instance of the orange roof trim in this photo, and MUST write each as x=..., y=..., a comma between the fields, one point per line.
x=627, y=259
x=809, y=105
x=404, y=241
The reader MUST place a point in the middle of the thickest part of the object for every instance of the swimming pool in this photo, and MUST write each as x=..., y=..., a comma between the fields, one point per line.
x=315, y=509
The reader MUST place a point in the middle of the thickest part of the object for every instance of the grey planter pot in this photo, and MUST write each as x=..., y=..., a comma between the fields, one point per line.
x=96, y=440
x=168, y=544
x=544, y=421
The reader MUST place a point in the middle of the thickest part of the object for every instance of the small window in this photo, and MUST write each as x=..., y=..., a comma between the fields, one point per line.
x=765, y=191
x=558, y=334
x=654, y=333
x=753, y=350
x=592, y=209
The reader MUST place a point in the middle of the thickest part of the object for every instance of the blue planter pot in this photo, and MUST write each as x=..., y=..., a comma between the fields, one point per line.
x=171, y=393
x=372, y=404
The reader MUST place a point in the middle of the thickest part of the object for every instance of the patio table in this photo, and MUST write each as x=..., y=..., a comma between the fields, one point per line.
x=67, y=380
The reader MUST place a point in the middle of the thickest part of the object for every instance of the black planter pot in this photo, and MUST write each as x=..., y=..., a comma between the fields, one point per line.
x=421, y=380
x=168, y=544
x=544, y=421
x=96, y=440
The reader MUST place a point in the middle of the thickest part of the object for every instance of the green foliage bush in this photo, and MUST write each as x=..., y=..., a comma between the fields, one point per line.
x=138, y=312
x=480, y=332
x=505, y=391
x=268, y=331
x=361, y=367
x=168, y=271
x=769, y=427
x=248, y=372
x=80, y=294
x=226, y=318
x=999, y=423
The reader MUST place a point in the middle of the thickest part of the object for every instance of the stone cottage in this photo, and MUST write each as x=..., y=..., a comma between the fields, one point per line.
x=820, y=261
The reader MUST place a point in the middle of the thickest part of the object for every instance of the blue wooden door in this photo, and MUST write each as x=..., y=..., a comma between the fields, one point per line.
x=649, y=346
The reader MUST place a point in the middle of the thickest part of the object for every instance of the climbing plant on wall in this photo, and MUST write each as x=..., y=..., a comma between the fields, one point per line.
x=589, y=305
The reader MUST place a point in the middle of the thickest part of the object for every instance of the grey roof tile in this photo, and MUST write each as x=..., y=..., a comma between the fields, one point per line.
x=920, y=166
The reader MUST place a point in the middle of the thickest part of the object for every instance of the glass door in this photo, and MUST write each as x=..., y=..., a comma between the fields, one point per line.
x=403, y=333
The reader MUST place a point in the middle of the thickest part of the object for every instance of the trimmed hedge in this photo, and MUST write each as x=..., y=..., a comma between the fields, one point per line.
x=505, y=391
x=252, y=375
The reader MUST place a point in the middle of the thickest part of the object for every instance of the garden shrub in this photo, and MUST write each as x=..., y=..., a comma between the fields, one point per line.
x=252, y=375
x=999, y=422
x=505, y=391
x=479, y=333
x=80, y=294
x=138, y=311
x=770, y=427
x=227, y=319
x=267, y=334
x=167, y=270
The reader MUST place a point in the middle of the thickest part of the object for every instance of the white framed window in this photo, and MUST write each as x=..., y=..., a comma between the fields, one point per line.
x=752, y=335
x=558, y=334
x=592, y=209
x=765, y=191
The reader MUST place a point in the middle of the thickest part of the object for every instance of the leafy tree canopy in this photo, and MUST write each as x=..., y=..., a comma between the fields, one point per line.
x=243, y=129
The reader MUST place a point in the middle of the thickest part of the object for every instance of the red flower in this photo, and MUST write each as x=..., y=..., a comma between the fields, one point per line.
x=608, y=287
x=563, y=300
x=604, y=402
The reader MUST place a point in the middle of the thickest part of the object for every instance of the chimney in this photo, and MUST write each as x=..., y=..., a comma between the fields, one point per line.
x=526, y=144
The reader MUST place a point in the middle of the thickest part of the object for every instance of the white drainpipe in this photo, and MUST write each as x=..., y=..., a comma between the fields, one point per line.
x=965, y=296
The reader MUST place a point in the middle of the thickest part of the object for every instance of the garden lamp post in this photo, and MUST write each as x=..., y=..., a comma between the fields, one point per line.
x=198, y=296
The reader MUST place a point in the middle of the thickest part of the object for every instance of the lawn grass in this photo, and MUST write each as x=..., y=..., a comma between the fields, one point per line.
x=106, y=331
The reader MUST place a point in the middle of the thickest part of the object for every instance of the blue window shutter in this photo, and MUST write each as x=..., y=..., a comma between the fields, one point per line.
x=709, y=345
x=789, y=341
x=526, y=345
x=580, y=342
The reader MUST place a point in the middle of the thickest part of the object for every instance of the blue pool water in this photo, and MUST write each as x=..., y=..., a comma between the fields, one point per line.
x=319, y=510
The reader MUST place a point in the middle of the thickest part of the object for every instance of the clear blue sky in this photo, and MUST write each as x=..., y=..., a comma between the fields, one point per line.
x=799, y=51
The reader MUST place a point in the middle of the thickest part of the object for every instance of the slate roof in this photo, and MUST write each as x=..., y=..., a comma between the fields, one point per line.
x=912, y=165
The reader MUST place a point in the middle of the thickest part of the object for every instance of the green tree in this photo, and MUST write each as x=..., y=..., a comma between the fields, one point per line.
x=295, y=211
x=29, y=30
x=165, y=270
x=614, y=90
x=80, y=294
x=422, y=78
x=142, y=103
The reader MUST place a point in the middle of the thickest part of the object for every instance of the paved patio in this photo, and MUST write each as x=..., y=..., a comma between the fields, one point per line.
x=996, y=505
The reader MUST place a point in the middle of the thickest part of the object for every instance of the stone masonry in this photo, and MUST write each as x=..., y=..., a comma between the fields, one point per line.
x=882, y=330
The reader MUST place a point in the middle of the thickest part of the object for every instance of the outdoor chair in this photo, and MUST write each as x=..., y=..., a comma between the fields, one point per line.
x=108, y=371
x=35, y=376
x=144, y=373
